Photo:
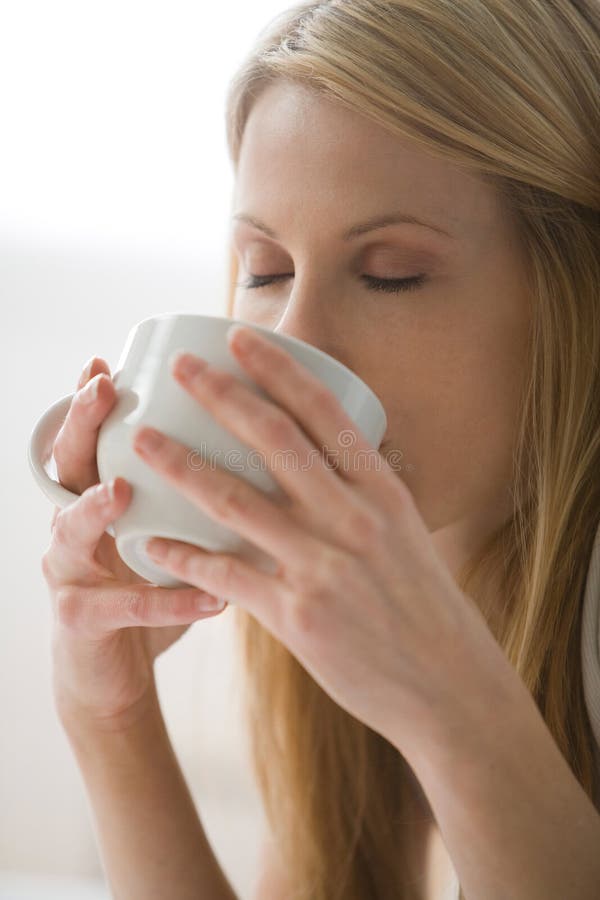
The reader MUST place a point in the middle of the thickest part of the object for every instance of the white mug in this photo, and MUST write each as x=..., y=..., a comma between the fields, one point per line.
x=147, y=394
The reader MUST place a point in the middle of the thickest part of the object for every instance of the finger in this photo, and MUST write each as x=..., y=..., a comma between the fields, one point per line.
x=228, y=499
x=294, y=461
x=93, y=367
x=75, y=446
x=224, y=575
x=78, y=528
x=313, y=405
x=94, y=611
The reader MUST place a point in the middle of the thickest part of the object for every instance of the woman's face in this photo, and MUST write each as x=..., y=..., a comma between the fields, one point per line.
x=447, y=358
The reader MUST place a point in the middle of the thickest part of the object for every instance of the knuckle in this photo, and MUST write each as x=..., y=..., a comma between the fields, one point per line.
x=137, y=608
x=305, y=613
x=219, y=567
x=173, y=458
x=69, y=607
x=47, y=567
x=302, y=614
x=365, y=529
x=287, y=364
x=68, y=457
x=221, y=383
x=230, y=500
x=324, y=399
x=54, y=517
x=324, y=567
x=277, y=427
x=398, y=500
x=60, y=527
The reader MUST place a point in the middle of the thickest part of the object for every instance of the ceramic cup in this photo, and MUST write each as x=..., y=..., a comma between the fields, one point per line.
x=147, y=394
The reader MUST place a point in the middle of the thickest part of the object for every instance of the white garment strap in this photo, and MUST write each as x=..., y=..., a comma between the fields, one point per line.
x=590, y=640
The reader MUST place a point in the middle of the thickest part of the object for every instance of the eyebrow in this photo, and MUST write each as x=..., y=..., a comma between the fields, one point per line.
x=394, y=218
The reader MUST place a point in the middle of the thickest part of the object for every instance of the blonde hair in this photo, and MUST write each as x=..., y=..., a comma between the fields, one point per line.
x=508, y=88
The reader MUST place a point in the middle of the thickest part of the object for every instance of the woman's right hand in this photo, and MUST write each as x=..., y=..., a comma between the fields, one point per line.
x=109, y=624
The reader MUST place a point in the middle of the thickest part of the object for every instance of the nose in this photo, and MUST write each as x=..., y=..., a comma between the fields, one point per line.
x=309, y=319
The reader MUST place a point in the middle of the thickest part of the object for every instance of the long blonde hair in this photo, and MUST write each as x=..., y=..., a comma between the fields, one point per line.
x=510, y=89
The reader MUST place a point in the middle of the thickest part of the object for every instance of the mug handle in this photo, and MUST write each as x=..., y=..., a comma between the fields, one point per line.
x=39, y=454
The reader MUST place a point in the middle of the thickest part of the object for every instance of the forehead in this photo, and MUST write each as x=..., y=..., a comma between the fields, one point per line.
x=301, y=151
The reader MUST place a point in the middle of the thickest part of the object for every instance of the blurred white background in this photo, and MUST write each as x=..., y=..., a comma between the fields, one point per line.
x=115, y=190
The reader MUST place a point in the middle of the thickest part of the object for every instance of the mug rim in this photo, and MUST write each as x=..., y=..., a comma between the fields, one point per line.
x=380, y=410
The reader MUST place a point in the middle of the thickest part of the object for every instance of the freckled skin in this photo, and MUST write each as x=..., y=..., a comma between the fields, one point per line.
x=448, y=359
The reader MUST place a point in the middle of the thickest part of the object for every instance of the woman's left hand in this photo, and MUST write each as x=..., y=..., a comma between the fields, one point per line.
x=360, y=596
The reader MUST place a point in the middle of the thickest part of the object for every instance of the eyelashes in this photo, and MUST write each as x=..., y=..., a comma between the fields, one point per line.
x=393, y=285
x=387, y=285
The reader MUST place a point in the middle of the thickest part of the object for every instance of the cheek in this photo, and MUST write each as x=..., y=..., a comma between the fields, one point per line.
x=452, y=406
x=260, y=307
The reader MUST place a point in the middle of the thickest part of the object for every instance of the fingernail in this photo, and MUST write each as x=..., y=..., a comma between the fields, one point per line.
x=155, y=549
x=208, y=603
x=105, y=493
x=241, y=335
x=87, y=369
x=189, y=366
x=90, y=391
x=149, y=439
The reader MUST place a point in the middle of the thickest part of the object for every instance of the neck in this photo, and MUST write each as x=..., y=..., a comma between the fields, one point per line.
x=486, y=588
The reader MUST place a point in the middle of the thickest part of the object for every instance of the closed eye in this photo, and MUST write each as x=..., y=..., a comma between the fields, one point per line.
x=389, y=285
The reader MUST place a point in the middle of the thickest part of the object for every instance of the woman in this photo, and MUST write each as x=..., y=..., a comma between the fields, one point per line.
x=417, y=194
